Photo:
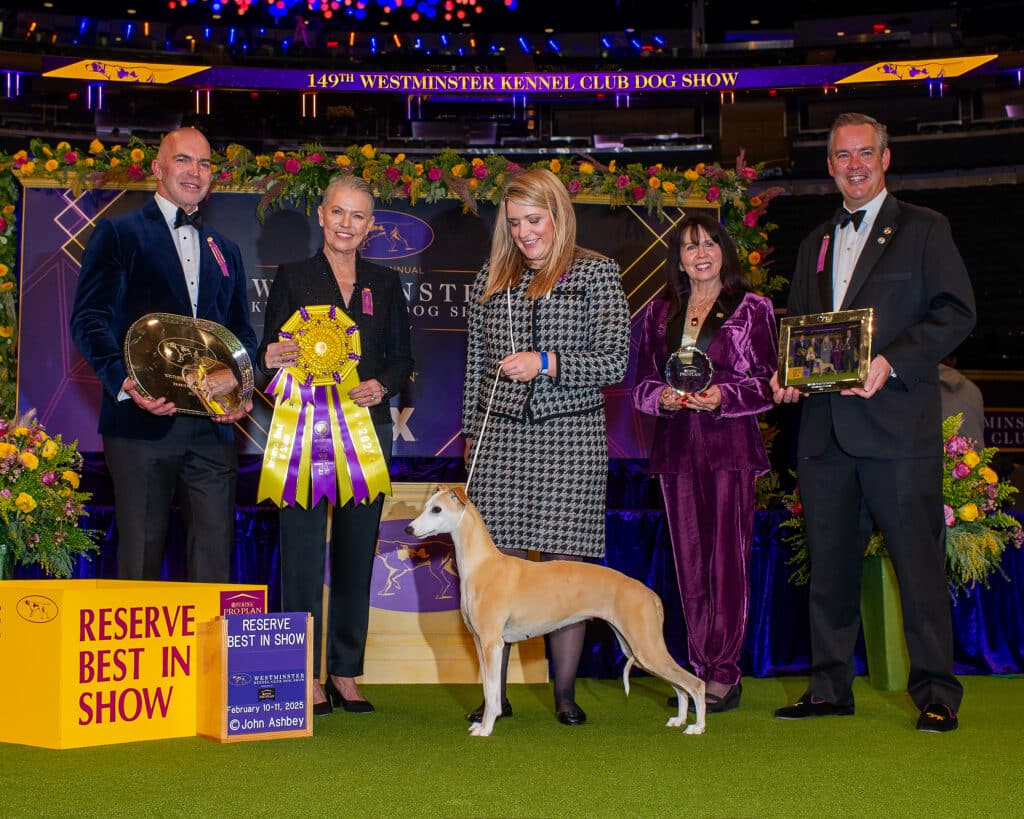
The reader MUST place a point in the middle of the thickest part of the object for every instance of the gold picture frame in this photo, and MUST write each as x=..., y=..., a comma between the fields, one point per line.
x=826, y=352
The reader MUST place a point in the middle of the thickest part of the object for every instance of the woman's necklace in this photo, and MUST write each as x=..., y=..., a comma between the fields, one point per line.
x=695, y=310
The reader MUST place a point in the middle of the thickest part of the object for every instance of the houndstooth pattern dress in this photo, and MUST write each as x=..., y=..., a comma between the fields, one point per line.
x=541, y=475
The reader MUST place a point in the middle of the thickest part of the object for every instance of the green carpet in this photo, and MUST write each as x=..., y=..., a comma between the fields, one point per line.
x=414, y=758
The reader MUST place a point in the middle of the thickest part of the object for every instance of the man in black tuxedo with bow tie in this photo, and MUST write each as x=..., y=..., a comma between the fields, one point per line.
x=875, y=452
x=161, y=258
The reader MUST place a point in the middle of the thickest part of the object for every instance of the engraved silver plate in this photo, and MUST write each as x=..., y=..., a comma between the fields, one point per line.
x=688, y=370
x=198, y=365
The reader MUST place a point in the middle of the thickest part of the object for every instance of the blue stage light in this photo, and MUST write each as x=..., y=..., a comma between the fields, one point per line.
x=606, y=42
x=658, y=39
x=636, y=44
x=525, y=46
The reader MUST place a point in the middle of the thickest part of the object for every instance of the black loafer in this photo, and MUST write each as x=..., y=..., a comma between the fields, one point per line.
x=807, y=707
x=571, y=714
x=937, y=718
x=477, y=714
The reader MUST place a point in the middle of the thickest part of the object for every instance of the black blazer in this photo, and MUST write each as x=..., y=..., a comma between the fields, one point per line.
x=911, y=273
x=130, y=267
x=383, y=334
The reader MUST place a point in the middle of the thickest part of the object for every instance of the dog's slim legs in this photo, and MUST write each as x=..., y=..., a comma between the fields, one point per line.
x=490, y=651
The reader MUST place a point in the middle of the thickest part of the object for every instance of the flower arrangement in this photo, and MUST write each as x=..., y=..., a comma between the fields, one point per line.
x=977, y=530
x=297, y=178
x=40, y=501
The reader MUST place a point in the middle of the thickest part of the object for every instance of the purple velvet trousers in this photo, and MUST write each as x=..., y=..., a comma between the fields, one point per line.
x=711, y=522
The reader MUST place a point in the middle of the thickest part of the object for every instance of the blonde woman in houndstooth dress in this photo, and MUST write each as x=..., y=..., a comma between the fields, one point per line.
x=552, y=317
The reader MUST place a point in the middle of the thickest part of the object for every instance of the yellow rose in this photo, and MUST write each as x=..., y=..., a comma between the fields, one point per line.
x=47, y=151
x=4, y=270
x=29, y=459
x=6, y=331
x=754, y=257
x=459, y=170
x=668, y=187
x=21, y=432
x=406, y=178
x=368, y=151
x=400, y=159
x=116, y=149
x=654, y=182
x=473, y=183
x=25, y=502
x=967, y=512
x=419, y=169
x=114, y=161
x=367, y=174
x=690, y=175
x=50, y=449
x=89, y=161
x=6, y=449
x=700, y=167
x=51, y=164
x=278, y=155
x=7, y=286
x=63, y=147
x=343, y=160
x=989, y=475
x=70, y=477
x=586, y=168
x=137, y=155
x=28, y=169
x=611, y=166
x=21, y=155
x=95, y=146
x=555, y=166
x=476, y=161
x=214, y=167
x=8, y=210
x=972, y=459
x=755, y=201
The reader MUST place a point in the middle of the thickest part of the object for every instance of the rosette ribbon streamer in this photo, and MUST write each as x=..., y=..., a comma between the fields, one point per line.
x=320, y=443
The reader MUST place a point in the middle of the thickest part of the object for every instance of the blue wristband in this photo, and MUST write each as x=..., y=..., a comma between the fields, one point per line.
x=544, y=363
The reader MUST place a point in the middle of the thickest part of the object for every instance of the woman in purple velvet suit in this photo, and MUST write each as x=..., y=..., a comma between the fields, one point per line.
x=707, y=446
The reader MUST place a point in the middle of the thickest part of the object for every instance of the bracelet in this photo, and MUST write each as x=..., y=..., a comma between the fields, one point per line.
x=544, y=363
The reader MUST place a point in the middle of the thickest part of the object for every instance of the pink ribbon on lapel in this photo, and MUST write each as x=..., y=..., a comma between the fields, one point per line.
x=823, y=252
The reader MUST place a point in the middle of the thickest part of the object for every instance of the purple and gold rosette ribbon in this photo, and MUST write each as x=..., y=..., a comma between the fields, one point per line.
x=320, y=444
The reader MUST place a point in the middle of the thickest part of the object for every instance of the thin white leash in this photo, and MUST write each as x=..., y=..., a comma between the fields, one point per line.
x=490, y=401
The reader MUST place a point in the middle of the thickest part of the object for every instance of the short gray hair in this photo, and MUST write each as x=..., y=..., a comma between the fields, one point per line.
x=859, y=119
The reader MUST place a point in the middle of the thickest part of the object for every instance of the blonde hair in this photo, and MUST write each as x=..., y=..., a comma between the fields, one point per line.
x=537, y=188
x=348, y=181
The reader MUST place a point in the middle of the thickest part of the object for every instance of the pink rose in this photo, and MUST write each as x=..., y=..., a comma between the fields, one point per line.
x=4, y=426
x=622, y=181
x=713, y=193
x=48, y=478
x=407, y=188
x=70, y=158
x=292, y=165
x=19, y=162
x=480, y=171
x=748, y=173
x=3, y=224
x=513, y=167
x=638, y=192
x=224, y=176
x=434, y=174
x=574, y=186
x=653, y=170
x=956, y=445
x=961, y=470
x=947, y=511
x=315, y=157
x=135, y=172
x=392, y=173
x=750, y=218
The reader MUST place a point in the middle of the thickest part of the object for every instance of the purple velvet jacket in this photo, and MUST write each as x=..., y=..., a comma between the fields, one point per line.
x=743, y=348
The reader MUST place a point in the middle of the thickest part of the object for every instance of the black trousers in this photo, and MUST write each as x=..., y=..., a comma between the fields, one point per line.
x=190, y=462
x=841, y=494
x=352, y=547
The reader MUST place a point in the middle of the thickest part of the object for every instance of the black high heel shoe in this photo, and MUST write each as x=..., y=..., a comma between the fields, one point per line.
x=322, y=709
x=715, y=704
x=477, y=714
x=338, y=700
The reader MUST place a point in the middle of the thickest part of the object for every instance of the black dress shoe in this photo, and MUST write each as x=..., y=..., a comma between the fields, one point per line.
x=477, y=714
x=714, y=704
x=322, y=709
x=571, y=714
x=338, y=700
x=937, y=718
x=807, y=707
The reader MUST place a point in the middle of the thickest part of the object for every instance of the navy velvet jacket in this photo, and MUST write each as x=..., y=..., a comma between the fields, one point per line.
x=130, y=268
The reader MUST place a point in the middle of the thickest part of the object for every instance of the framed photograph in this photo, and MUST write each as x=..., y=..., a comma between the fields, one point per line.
x=825, y=352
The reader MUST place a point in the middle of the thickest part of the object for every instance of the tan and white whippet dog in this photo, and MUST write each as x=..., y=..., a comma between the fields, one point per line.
x=506, y=599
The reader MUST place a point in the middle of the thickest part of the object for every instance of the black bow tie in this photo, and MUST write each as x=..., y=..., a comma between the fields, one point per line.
x=844, y=217
x=181, y=219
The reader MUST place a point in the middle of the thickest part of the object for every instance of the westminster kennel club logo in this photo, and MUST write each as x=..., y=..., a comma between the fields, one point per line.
x=413, y=575
x=396, y=236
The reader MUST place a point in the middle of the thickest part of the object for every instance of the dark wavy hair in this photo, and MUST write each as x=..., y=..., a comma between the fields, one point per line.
x=733, y=275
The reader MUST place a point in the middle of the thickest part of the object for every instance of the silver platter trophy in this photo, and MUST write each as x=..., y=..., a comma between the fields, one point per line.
x=198, y=365
x=688, y=370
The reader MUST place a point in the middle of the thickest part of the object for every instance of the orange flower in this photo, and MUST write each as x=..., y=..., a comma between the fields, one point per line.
x=368, y=151
x=137, y=154
x=754, y=257
x=555, y=166
x=654, y=182
x=6, y=331
x=95, y=147
x=668, y=186
x=343, y=160
x=51, y=164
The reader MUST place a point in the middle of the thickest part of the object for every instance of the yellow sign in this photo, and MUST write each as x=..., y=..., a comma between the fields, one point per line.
x=917, y=70
x=123, y=71
x=95, y=662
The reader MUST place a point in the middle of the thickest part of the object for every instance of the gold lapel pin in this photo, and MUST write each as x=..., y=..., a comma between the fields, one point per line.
x=881, y=240
x=887, y=231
